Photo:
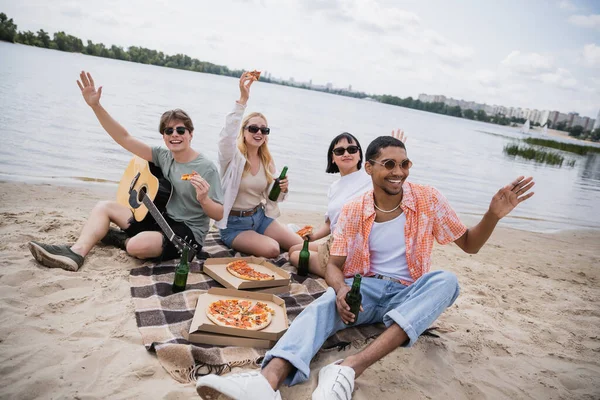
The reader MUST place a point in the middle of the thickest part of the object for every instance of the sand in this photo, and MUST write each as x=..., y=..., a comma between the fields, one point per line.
x=526, y=325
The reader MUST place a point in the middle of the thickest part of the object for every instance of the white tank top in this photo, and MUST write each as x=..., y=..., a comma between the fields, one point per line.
x=387, y=248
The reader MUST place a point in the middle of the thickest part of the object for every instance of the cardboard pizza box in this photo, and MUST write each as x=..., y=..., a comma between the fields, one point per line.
x=216, y=268
x=279, y=324
x=272, y=290
x=216, y=339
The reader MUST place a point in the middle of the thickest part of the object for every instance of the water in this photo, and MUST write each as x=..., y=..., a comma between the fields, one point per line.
x=50, y=135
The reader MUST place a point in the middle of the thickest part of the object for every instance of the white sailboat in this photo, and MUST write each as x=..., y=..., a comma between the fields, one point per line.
x=545, y=130
x=525, y=127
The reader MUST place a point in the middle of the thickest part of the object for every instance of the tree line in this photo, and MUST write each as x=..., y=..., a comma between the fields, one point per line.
x=65, y=42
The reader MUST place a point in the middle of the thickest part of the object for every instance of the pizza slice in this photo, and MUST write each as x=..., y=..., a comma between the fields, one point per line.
x=187, y=177
x=242, y=270
x=255, y=74
x=307, y=230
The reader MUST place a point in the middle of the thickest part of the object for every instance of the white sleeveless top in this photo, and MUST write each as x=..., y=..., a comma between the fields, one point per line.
x=388, y=249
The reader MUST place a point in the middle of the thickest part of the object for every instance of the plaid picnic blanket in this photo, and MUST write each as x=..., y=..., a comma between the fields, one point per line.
x=164, y=318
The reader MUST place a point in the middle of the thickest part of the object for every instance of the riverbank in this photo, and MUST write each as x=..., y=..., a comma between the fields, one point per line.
x=525, y=325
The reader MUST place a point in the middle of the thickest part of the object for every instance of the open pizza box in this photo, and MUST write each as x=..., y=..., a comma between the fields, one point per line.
x=216, y=268
x=265, y=338
x=216, y=339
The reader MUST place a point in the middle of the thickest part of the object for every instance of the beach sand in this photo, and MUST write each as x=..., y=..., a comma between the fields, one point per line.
x=526, y=325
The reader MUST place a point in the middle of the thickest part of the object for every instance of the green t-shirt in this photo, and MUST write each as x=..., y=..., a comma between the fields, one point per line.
x=183, y=205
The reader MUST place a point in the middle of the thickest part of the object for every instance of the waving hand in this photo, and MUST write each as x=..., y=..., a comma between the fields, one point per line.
x=88, y=89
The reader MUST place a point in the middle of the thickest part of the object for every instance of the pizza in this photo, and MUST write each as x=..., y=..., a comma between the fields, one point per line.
x=255, y=74
x=307, y=230
x=251, y=315
x=242, y=270
x=187, y=177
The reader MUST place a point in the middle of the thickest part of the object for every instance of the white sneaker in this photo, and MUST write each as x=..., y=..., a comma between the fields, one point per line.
x=336, y=382
x=250, y=385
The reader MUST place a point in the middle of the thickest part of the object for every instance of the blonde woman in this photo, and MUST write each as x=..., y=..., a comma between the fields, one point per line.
x=247, y=174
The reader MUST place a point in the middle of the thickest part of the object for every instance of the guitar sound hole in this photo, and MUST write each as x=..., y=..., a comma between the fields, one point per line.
x=141, y=193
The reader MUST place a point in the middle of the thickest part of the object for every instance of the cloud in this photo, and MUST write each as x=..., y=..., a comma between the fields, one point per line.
x=486, y=77
x=561, y=78
x=73, y=11
x=586, y=21
x=527, y=67
x=527, y=64
x=446, y=50
x=366, y=15
x=591, y=55
x=566, y=5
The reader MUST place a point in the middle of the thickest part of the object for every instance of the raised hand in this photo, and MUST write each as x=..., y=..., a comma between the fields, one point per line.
x=510, y=196
x=88, y=90
x=399, y=134
x=246, y=80
x=202, y=187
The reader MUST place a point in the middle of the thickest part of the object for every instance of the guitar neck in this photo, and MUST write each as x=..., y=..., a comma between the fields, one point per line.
x=160, y=220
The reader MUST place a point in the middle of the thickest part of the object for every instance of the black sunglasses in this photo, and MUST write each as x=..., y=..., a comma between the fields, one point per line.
x=339, y=151
x=180, y=130
x=255, y=129
x=391, y=164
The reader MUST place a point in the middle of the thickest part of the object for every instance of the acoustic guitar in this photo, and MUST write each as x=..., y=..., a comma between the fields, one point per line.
x=146, y=192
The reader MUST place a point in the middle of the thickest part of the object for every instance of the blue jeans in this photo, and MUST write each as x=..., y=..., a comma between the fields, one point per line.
x=413, y=308
x=257, y=222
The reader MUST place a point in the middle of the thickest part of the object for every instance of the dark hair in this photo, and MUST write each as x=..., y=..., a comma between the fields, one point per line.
x=332, y=168
x=175, y=115
x=381, y=143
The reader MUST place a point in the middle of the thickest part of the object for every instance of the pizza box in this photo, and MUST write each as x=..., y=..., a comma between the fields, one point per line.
x=273, y=290
x=279, y=324
x=215, y=339
x=216, y=268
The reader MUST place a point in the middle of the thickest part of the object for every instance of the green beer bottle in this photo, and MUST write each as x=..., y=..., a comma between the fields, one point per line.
x=303, y=259
x=275, y=190
x=354, y=298
x=181, y=273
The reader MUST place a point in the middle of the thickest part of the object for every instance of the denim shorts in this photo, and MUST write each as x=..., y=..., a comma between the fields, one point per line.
x=258, y=222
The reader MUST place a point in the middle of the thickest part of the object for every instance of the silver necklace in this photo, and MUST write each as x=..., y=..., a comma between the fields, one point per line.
x=388, y=211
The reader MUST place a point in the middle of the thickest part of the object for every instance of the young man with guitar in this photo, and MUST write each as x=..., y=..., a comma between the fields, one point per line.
x=192, y=203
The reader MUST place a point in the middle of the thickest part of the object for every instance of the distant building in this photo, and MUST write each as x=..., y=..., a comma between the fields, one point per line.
x=597, y=123
x=534, y=116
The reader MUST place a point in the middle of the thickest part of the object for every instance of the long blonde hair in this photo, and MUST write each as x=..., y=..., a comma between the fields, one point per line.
x=263, y=151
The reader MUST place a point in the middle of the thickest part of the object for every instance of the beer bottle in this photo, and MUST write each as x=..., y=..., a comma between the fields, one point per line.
x=354, y=298
x=181, y=273
x=275, y=190
x=304, y=259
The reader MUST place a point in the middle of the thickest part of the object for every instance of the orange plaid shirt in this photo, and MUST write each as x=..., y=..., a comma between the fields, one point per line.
x=428, y=216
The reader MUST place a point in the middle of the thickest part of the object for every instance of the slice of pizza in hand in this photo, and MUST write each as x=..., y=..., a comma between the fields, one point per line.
x=187, y=177
x=242, y=270
x=307, y=230
x=255, y=74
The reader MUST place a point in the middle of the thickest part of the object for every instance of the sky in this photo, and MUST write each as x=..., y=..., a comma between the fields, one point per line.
x=529, y=54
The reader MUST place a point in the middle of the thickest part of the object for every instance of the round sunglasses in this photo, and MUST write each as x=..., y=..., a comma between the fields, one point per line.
x=339, y=151
x=180, y=130
x=254, y=129
x=391, y=164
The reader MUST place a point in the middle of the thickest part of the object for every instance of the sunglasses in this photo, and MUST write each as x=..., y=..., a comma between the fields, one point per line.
x=391, y=164
x=180, y=130
x=255, y=129
x=339, y=151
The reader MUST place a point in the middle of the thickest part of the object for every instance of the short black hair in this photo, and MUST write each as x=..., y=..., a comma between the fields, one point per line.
x=332, y=168
x=381, y=143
